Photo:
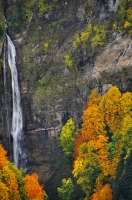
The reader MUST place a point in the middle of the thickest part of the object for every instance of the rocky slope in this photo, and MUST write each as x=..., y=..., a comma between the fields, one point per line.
x=51, y=91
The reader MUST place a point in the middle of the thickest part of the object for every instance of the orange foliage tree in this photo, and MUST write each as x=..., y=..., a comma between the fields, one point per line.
x=3, y=157
x=77, y=143
x=104, y=194
x=93, y=122
x=33, y=189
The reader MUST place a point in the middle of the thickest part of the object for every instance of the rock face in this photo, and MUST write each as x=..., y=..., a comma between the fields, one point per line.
x=116, y=56
x=43, y=149
x=52, y=92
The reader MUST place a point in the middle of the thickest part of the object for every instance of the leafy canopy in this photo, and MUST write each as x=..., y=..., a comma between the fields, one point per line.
x=105, y=137
x=15, y=184
x=67, y=136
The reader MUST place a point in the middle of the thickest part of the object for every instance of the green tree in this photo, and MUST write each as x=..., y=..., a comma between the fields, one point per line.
x=87, y=167
x=66, y=190
x=67, y=136
x=127, y=134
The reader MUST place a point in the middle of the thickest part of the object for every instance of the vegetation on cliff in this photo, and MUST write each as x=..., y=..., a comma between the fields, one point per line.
x=42, y=26
x=15, y=184
x=123, y=17
x=2, y=32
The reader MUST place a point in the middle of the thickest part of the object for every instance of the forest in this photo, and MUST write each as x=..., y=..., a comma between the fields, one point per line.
x=102, y=149
x=100, y=154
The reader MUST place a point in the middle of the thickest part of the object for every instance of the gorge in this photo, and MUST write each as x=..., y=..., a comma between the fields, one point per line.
x=55, y=77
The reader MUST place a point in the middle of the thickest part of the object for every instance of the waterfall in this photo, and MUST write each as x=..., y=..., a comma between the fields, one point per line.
x=17, y=120
x=4, y=95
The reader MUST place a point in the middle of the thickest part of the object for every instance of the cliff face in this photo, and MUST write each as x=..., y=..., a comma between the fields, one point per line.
x=113, y=65
x=52, y=91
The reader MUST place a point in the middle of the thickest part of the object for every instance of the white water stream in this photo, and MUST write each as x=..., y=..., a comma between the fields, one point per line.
x=17, y=122
x=5, y=124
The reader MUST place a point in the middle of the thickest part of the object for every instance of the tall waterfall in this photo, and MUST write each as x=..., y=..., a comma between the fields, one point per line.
x=5, y=123
x=17, y=120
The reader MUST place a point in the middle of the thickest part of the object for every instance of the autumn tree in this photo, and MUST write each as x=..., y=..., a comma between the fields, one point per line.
x=9, y=179
x=77, y=143
x=14, y=185
x=112, y=109
x=3, y=157
x=32, y=187
x=19, y=175
x=90, y=127
x=3, y=191
x=104, y=194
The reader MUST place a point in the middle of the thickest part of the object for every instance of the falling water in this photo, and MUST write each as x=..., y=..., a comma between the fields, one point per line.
x=5, y=123
x=17, y=122
x=4, y=66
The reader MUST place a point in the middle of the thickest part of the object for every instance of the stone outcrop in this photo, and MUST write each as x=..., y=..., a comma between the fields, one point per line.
x=116, y=56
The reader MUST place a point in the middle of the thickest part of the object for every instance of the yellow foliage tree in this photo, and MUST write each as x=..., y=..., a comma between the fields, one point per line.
x=112, y=110
x=10, y=181
x=68, y=60
x=3, y=191
x=94, y=35
x=127, y=25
